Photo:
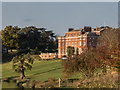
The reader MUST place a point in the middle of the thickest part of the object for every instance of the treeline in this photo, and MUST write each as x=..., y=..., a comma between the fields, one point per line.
x=29, y=39
x=106, y=54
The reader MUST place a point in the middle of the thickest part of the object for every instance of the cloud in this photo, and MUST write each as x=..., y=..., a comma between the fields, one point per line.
x=27, y=20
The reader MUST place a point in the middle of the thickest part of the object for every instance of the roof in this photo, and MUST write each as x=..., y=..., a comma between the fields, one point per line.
x=91, y=34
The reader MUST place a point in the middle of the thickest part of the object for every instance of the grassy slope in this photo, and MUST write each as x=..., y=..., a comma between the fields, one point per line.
x=42, y=70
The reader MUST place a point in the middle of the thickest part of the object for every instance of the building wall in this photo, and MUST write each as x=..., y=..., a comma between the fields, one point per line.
x=77, y=40
x=48, y=55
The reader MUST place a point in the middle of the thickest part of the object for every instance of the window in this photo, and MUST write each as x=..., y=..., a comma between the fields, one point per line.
x=59, y=51
x=93, y=44
x=49, y=56
x=63, y=51
x=83, y=43
x=63, y=40
x=90, y=37
x=75, y=43
x=89, y=43
x=59, y=44
x=93, y=37
x=83, y=38
x=69, y=43
x=66, y=44
x=97, y=43
x=76, y=34
x=72, y=43
x=72, y=34
x=62, y=44
x=80, y=43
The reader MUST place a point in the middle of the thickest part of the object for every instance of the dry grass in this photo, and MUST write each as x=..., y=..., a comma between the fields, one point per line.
x=108, y=80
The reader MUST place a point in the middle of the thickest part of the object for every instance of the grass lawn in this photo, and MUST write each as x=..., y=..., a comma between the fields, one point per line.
x=41, y=71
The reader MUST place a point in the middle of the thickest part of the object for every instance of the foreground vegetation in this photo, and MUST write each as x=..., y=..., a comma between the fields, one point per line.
x=47, y=73
x=41, y=71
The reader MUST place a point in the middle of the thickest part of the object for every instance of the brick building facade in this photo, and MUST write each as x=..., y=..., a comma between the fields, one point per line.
x=81, y=39
x=48, y=56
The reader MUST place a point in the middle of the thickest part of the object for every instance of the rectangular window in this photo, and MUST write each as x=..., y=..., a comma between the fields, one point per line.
x=80, y=43
x=59, y=44
x=97, y=43
x=93, y=44
x=59, y=51
x=72, y=43
x=76, y=34
x=63, y=51
x=83, y=43
x=69, y=43
x=89, y=43
x=62, y=44
x=72, y=35
x=75, y=43
x=83, y=38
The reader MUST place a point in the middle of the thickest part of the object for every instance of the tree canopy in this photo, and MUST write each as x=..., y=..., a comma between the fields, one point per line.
x=29, y=39
x=21, y=63
x=10, y=37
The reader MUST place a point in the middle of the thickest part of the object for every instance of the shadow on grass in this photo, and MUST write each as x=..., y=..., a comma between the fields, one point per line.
x=10, y=79
x=48, y=71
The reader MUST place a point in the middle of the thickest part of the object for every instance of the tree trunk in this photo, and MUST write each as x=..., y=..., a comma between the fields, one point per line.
x=22, y=74
x=22, y=71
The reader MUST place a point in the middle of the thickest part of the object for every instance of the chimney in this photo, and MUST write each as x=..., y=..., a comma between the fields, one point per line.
x=70, y=29
x=87, y=29
x=96, y=28
x=92, y=29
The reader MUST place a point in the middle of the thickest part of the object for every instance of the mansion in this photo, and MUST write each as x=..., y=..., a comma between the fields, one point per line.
x=81, y=39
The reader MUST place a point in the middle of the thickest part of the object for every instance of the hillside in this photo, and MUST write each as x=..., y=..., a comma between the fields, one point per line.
x=41, y=71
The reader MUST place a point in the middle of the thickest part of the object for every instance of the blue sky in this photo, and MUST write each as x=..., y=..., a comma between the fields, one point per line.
x=59, y=16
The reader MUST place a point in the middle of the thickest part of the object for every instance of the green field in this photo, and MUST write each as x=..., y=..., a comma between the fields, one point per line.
x=41, y=71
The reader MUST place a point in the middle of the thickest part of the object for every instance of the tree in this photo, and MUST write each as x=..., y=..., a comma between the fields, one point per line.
x=107, y=53
x=37, y=38
x=87, y=63
x=110, y=41
x=21, y=63
x=70, y=51
x=77, y=51
x=10, y=37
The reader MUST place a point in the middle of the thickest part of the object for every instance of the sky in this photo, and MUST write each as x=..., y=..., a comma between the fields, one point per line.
x=59, y=16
